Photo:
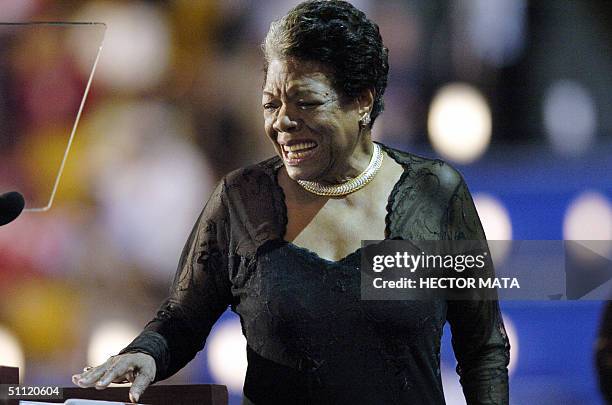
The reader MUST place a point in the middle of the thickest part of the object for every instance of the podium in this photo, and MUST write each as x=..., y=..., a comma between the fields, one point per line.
x=191, y=394
x=9, y=375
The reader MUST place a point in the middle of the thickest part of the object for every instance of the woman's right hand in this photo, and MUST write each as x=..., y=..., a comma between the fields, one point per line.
x=137, y=368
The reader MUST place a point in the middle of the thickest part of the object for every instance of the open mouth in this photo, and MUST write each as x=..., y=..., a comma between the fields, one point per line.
x=299, y=151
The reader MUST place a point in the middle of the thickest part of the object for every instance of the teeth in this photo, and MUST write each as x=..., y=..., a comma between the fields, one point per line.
x=295, y=155
x=299, y=146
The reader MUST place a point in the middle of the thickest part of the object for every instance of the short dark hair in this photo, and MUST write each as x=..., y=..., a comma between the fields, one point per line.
x=338, y=35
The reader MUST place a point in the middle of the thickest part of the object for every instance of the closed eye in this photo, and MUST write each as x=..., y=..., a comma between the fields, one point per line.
x=270, y=106
x=304, y=105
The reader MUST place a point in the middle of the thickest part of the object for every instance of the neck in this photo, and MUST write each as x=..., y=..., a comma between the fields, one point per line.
x=354, y=165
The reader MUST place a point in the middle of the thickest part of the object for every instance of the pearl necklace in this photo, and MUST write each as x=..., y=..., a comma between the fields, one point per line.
x=351, y=185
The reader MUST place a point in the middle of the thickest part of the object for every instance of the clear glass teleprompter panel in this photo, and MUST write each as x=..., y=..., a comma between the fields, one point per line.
x=46, y=70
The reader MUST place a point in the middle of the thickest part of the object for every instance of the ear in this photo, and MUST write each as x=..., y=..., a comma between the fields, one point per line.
x=366, y=101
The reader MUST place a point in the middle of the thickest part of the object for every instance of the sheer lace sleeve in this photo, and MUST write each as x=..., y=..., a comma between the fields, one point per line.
x=199, y=294
x=479, y=339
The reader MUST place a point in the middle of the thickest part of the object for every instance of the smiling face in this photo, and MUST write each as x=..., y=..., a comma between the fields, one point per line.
x=314, y=128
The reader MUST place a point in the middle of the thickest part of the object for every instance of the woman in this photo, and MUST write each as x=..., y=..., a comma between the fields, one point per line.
x=279, y=242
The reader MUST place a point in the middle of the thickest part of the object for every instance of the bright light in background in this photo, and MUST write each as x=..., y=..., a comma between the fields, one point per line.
x=137, y=45
x=494, y=217
x=226, y=353
x=459, y=123
x=570, y=117
x=453, y=393
x=496, y=29
x=589, y=218
x=11, y=353
x=147, y=178
x=514, y=343
x=107, y=339
x=496, y=223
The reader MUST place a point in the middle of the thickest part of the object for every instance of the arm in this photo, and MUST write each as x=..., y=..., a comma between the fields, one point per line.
x=603, y=353
x=479, y=339
x=200, y=293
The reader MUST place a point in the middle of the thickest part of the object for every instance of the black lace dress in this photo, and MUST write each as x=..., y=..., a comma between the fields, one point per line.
x=310, y=338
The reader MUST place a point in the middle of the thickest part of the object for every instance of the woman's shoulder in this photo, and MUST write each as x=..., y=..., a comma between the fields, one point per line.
x=253, y=191
x=255, y=202
x=255, y=173
x=419, y=167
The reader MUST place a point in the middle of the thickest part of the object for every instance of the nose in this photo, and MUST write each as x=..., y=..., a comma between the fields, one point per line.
x=284, y=122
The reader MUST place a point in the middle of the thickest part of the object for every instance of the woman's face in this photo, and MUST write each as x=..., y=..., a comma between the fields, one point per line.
x=314, y=129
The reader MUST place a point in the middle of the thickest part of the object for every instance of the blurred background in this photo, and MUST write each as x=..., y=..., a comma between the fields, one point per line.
x=515, y=93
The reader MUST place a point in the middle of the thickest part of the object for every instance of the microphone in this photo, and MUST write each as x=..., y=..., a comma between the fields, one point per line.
x=11, y=205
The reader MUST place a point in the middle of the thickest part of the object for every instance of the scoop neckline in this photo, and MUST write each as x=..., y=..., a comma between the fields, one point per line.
x=280, y=195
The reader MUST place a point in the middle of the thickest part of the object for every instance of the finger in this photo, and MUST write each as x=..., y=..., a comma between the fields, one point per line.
x=128, y=377
x=141, y=382
x=116, y=370
x=92, y=374
x=131, y=376
x=89, y=378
